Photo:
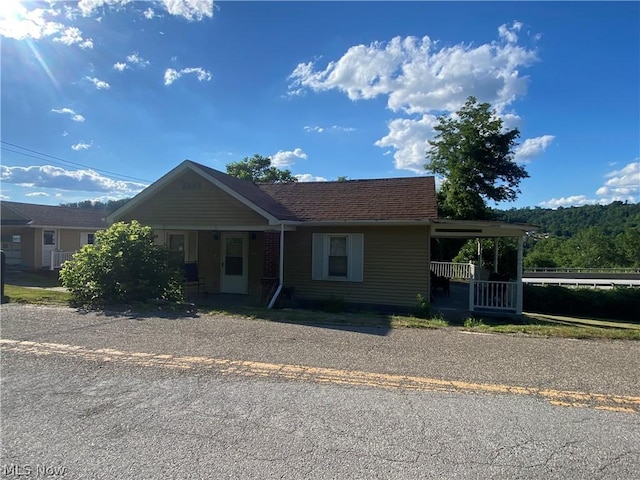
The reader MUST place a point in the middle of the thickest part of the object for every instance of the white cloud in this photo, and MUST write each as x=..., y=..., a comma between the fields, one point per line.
x=418, y=77
x=623, y=184
x=149, y=13
x=307, y=177
x=88, y=7
x=190, y=9
x=73, y=36
x=99, y=84
x=136, y=59
x=572, y=201
x=410, y=138
x=36, y=194
x=4, y=197
x=532, y=147
x=333, y=128
x=510, y=34
x=65, y=134
x=76, y=117
x=132, y=60
x=171, y=74
x=81, y=146
x=48, y=176
x=287, y=158
x=18, y=22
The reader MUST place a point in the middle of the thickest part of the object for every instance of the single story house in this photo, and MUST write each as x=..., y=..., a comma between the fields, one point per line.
x=363, y=242
x=34, y=236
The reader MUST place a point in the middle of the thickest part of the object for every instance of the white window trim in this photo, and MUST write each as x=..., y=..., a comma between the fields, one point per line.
x=185, y=238
x=355, y=257
x=84, y=238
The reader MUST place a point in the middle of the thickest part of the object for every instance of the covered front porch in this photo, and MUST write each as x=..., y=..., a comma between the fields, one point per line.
x=468, y=296
x=471, y=288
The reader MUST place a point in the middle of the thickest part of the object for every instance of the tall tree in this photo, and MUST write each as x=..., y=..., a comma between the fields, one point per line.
x=258, y=169
x=475, y=156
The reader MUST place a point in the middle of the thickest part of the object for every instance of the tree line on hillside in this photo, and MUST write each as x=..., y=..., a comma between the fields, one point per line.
x=109, y=205
x=612, y=219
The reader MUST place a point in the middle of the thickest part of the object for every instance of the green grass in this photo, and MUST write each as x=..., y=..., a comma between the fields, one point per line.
x=542, y=325
x=37, y=296
x=537, y=326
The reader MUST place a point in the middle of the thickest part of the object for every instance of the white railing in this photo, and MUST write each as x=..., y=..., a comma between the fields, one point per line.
x=460, y=271
x=581, y=270
x=493, y=295
x=583, y=282
x=58, y=258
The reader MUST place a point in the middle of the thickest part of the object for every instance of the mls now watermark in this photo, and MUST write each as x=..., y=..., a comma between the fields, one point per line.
x=27, y=470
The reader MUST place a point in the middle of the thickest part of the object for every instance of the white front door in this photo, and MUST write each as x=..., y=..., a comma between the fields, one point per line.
x=233, y=267
x=49, y=244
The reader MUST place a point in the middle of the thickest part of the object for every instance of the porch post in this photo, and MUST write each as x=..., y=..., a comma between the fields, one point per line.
x=281, y=270
x=472, y=289
x=495, y=254
x=519, y=277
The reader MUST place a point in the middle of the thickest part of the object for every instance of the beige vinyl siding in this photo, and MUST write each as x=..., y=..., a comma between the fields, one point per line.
x=69, y=240
x=191, y=200
x=28, y=247
x=396, y=266
x=37, y=248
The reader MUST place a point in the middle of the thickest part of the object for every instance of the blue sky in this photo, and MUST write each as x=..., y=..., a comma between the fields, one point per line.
x=99, y=98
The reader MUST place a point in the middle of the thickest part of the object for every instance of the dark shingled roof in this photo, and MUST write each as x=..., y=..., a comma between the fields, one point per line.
x=358, y=200
x=50, y=216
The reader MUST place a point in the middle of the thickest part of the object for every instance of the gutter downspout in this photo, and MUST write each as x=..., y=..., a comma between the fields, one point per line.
x=281, y=272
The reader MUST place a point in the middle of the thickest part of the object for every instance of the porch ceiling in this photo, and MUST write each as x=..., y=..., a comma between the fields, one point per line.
x=445, y=228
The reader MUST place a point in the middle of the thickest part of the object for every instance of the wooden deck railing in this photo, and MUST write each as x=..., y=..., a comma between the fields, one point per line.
x=493, y=295
x=459, y=271
x=58, y=258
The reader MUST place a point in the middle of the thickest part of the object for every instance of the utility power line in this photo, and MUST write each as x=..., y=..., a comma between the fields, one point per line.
x=66, y=163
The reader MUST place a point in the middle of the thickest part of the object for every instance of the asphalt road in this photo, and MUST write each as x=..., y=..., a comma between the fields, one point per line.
x=109, y=396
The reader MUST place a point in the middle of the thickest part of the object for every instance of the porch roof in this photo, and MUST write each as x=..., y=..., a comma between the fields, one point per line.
x=32, y=215
x=444, y=227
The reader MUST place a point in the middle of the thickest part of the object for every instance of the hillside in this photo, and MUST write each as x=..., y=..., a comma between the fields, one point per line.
x=611, y=219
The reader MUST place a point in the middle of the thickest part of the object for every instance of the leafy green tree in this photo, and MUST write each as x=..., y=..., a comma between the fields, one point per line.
x=109, y=205
x=507, y=254
x=628, y=246
x=124, y=265
x=475, y=156
x=258, y=169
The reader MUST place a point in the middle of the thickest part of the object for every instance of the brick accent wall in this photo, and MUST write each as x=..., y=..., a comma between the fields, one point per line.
x=271, y=268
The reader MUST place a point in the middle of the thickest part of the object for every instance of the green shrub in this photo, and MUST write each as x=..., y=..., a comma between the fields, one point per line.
x=622, y=303
x=423, y=307
x=473, y=323
x=123, y=266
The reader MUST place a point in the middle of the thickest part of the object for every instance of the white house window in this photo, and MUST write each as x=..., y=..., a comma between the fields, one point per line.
x=338, y=260
x=49, y=237
x=176, y=244
x=338, y=257
x=87, y=238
